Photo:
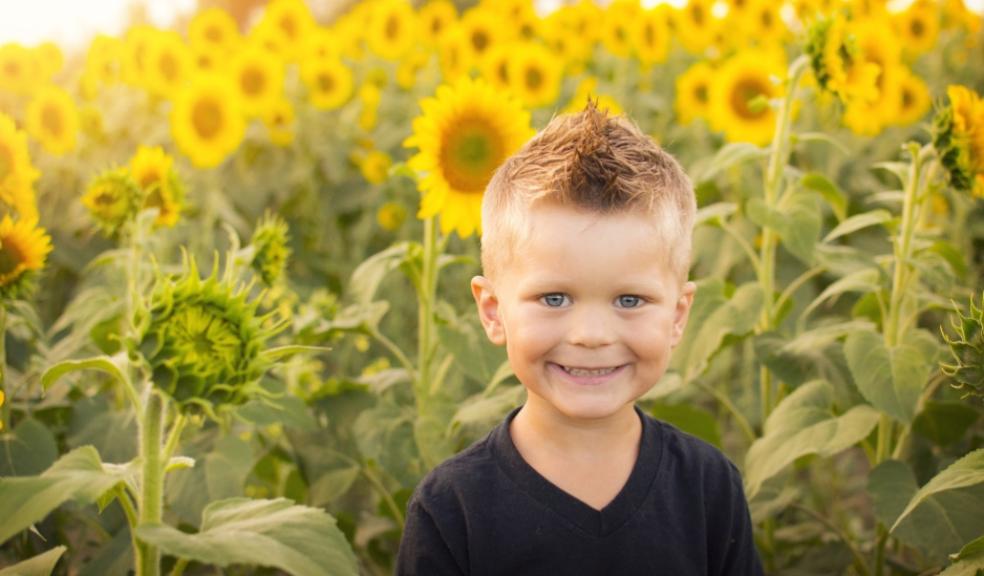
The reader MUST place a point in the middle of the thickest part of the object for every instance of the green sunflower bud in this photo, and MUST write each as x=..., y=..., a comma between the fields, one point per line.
x=967, y=348
x=113, y=199
x=270, y=249
x=204, y=340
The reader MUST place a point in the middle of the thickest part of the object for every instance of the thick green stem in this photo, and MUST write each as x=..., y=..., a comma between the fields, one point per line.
x=4, y=397
x=426, y=294
x=152, y=480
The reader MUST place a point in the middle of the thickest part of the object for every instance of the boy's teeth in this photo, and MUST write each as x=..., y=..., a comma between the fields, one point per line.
x=585, y=372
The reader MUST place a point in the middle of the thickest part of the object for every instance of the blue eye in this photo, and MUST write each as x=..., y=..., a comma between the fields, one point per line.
x=629, y=301
x=554, y=300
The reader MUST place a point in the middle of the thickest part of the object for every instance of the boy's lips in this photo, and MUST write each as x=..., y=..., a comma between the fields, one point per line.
x=587, y=374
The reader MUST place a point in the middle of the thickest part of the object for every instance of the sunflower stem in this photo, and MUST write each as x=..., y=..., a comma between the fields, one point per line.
x=152, y=480
x=4, y=400
x=778, y=159
x=425, y=334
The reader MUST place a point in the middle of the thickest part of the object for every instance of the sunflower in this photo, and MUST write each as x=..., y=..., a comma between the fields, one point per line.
x=206, y=121
x=588, y=90
x=113, y=199
x=293, y=20
x=273, y=40
x=321, y=43
x=740, y=93
x=391, y=30
x=53, y=120
x=918, y=27
x=533, y=76
x=958, y=136
x=136, y=50
x=454, y=54
x=434, y=18
x=876, y=46
x=761, y=22
x=270, y=248
x=914, y=98
x=465, y=132
x=496, y=64
x=482, y=30
x=836, y=61
x=693, y=93
x=695, y=24
x=23, y=249
x=279, y=121
x=49, y=60
x=17, y=174
x=391, y=216
x=572, y=31
x=374, y=166
x=369, y=98
x=329, y=82
x=103, y=64
x=213, y=30
x=259, y=79
x=153, y=171
x=651, y=37
x=168, y=64
x=618, y=27
x=18, y=69
x=410, y=64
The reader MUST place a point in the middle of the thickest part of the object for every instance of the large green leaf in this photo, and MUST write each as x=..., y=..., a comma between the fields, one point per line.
x=944, y=423
x=41, y=565
x=300, y=540
x=797, y=221
x=857, y=222
x=802, y=424
x=28, y=450
x=829, y=191
x=966, y=471
x=729, y=155
x=969, y=561
x=734, y=317
x=472, y=351
x=891, y=379
x=367, y=277
x=78, y=475
x=689, y=418
x=116, y=366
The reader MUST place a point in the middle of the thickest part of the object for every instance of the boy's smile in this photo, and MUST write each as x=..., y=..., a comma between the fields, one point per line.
x=588, y=309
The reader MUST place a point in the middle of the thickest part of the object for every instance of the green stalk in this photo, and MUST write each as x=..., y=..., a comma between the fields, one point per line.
x=778, y=159
x=5, y=407
x=152, y=480
x=426, y=295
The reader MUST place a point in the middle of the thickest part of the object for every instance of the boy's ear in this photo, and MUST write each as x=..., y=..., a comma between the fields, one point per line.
x=488, y=309
x=682, y=312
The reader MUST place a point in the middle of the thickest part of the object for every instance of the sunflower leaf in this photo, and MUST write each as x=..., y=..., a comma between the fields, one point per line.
x=41, y=565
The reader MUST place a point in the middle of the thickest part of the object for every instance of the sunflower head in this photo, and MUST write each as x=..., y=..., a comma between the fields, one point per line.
x=279, y=121
x=967, y=348
x=270, y=250
x=153, y=171
x=958, y=136
x=23, y=249
x=836, y=61
x=113, y=199
x=391, y=216
x=17, y=174
x=374, y=166
x=207, y=120
x=203, y=340
x=329, y=82
x=52, y=119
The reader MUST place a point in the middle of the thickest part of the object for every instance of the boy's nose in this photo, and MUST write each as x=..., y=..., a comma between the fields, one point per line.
x=591, y=328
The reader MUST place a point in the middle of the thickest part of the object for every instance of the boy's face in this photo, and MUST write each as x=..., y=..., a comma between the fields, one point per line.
x=588, y=309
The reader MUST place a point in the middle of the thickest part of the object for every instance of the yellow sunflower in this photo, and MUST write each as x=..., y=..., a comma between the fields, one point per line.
x=958, y=136
x=760, y=22
x=53, y=120
x=618, y=27
x=113, y=199
x=533, y=75
x=466, y=131
x=588, y=90
x=410, y=64
x=103, y=64
x=914, y=98
x=454, y=54
x=433, y=19
x=877, y=45
x=651, y=36
x=321, y=43
x=49, y=59
x=693, y=93
x=391, y=31
x=837, y=63
x=153, y=171
x=370, y=95
x=23, y=249
x=482, y=30
x=293, y=20
x=213, y=30
x=168, y=64
x=206, y=121
x=374, y=166
x=17, y=174
x=18, y=70
x=136, y=52
x=391, y=216
x=496, y=63
x=740, y=92
x=279, y=121
x=918, y=27
x=258, y=77
x=572, y=31
x=695, y=25
x=329, y=82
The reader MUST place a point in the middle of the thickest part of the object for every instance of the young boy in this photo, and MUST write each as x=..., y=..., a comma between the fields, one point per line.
x=585, y=251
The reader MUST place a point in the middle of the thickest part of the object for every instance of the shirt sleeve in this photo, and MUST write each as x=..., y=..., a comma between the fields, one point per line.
x=736, y=553
x=423, y=551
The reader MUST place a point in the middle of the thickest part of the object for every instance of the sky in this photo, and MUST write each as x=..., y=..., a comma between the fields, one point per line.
x=71, y=23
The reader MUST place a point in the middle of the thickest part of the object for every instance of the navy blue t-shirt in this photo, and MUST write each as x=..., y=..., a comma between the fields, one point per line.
x=487, y=512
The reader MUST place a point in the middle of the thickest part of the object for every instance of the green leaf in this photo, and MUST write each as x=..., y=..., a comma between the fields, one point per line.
x=41, y=565
x=715, y=213
x=285, y=409
x=281, y=352
x=227, y=466
x=944, y=423
x=28, y=450
x=971, y=565
x=359, y=317
x=803, y=424
x=729, y=155
x=277, y=533
x=821, y=137
x=690, y=419
x=78, y=475
x=115, y=366
x=472, y=351
x=966, y=471
x=857, y=222
x=890, y=379
x=366, y=278
x=734, y=317
x=829, y=191
x=483, y=411
x=864, y=280
x=973, y=549
x=331, y=485
x=797, y=222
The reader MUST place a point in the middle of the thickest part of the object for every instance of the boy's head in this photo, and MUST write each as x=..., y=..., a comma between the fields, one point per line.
x=592, y=162
x=586, y=248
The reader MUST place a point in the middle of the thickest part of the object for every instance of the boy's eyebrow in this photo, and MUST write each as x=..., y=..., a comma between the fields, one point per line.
x=630, y=284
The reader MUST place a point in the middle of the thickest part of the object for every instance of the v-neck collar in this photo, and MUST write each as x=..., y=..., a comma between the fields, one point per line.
x=598, y=523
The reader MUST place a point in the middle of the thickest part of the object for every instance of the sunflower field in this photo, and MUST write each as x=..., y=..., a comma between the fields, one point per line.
x=235, y=323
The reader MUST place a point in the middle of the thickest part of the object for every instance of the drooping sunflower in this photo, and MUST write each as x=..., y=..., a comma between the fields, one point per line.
x=279, y=121
x=23, y=250
x=958, y=136
x=53, y=120
x=651, y=37
x=113, y=199
x=206, y=121
x=918, y=27
x=693, y=93
x=466, y=131
x=433, y=19
x=740, y=93
x=259, y=79
x=329, y=82
x=18, y=71
x=17, y=174
x=153, y=171
x=914, y=98
x=214, y=30
x=533, y=75
x=392, y=31
x=294, y=20
x=168, y=64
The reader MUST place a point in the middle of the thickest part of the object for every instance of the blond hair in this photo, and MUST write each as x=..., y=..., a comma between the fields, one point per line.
x=594, y=162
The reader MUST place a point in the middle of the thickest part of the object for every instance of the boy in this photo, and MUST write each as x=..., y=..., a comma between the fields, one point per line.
x=585, y=251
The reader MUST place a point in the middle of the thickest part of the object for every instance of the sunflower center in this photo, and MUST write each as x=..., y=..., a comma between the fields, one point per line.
x=289, y=26
x=534, y=78
x=209, y=342
x=11, y=69
x=471, y=153
x=52, y=120
x=436, y=25
x=908, y=99
x=169, y=67
x=700, y=93
x=697, y=14
x=148, y=177
x=743, y=93
x=252, y=81
x=6, y=162
x=392, y=27
x=11, y=262
x=917, y=28
x=480, y=40
x=214, y=35
x=326, y=82
x=206, y=116
x=502, y=70
x=649, y=35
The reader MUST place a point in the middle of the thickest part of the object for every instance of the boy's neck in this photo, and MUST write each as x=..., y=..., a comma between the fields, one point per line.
x=541, y=428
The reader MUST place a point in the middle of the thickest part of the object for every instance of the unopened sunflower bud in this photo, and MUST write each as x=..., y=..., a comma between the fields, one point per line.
x=113, y=199
x=967, y=348
x=271, y=251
